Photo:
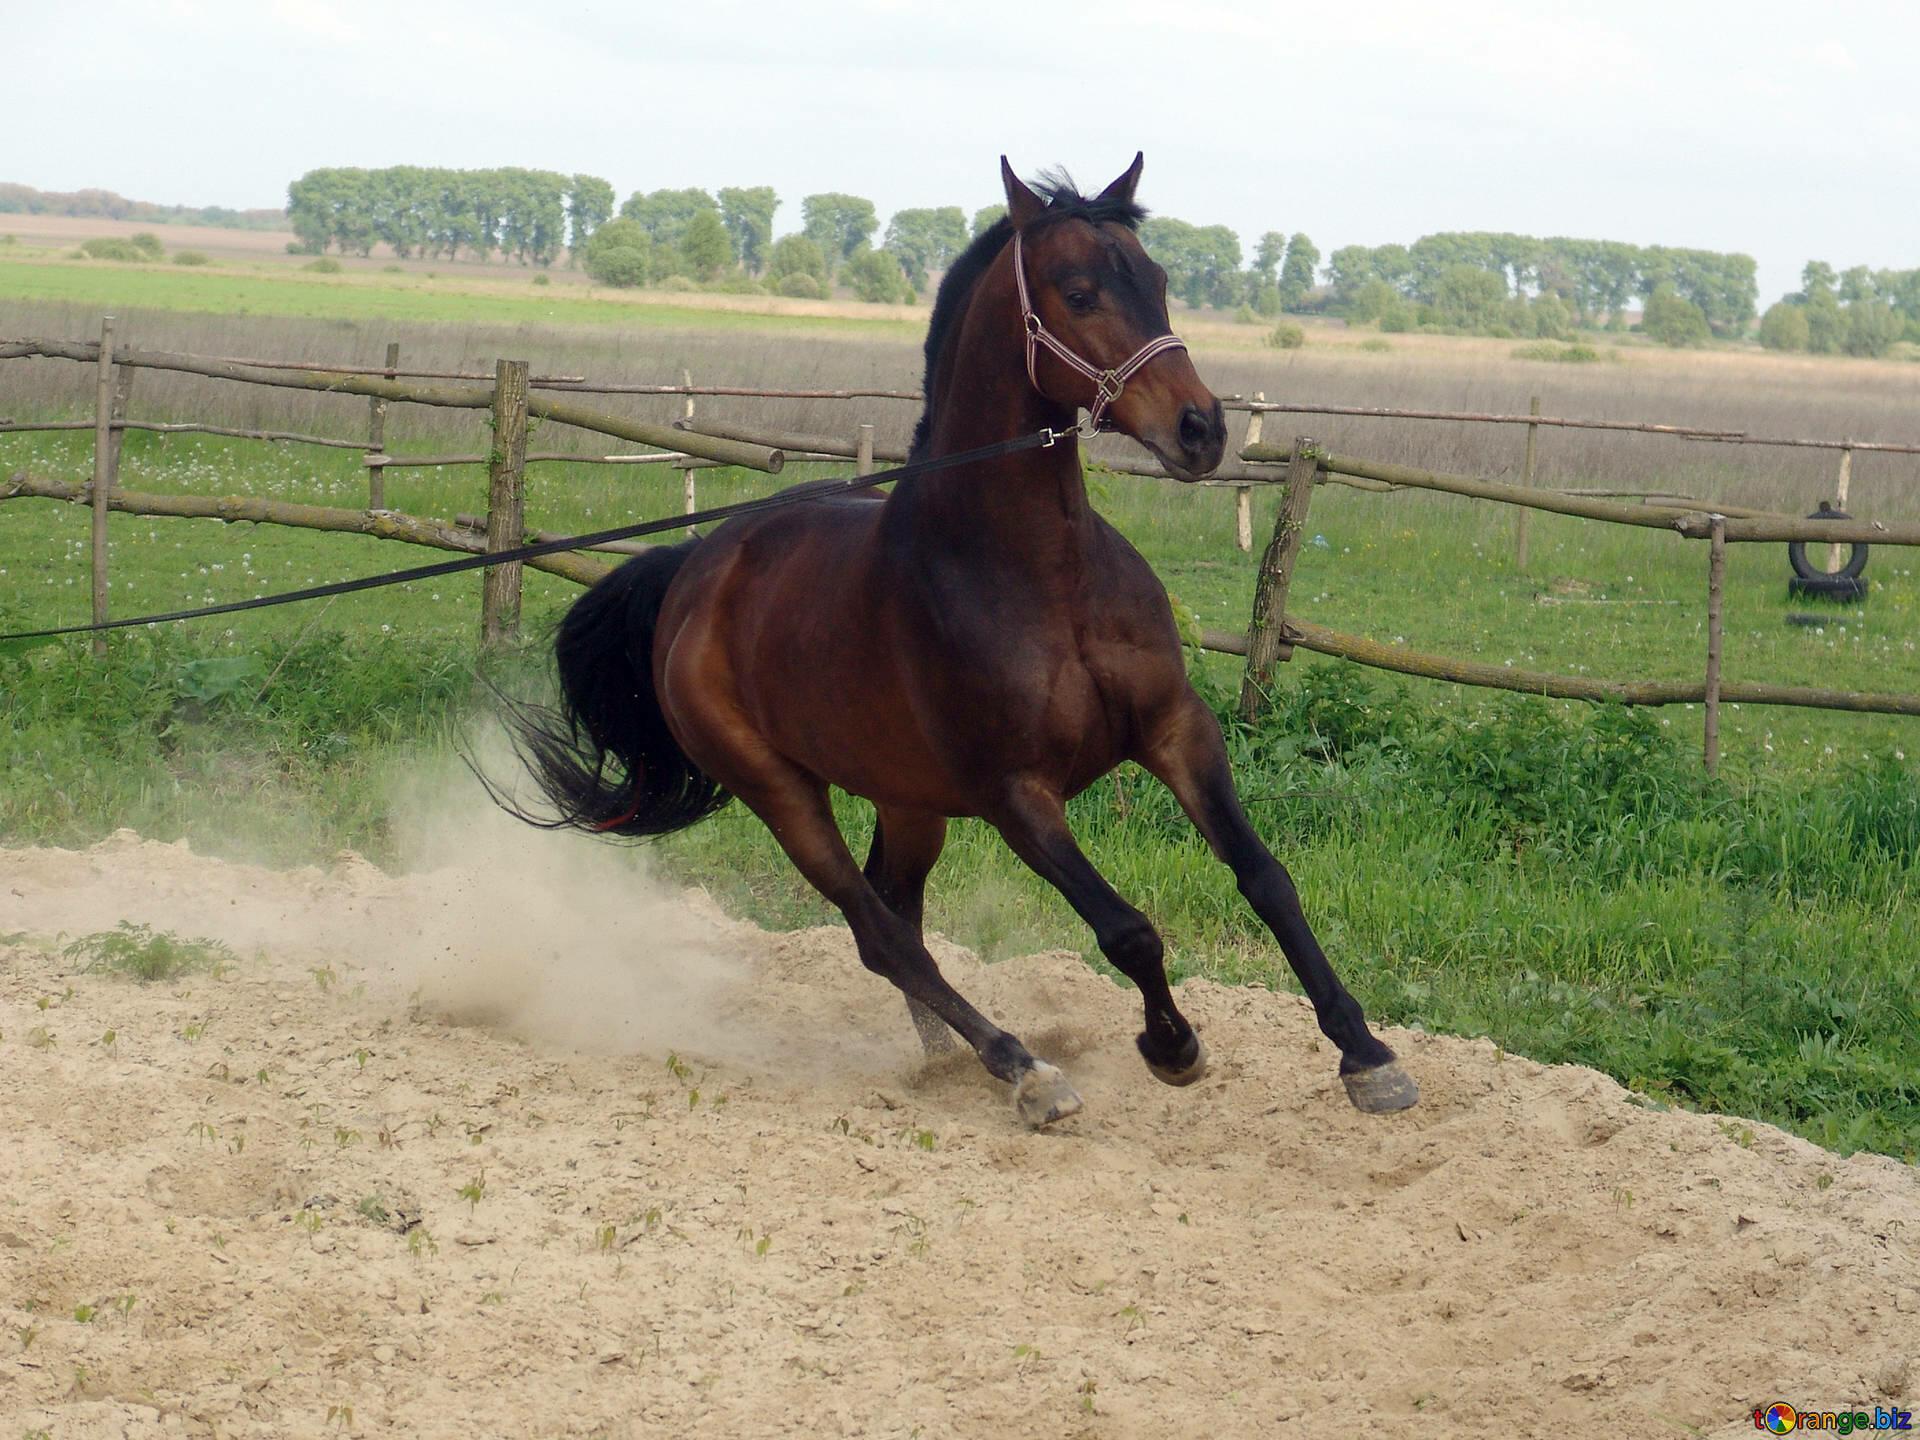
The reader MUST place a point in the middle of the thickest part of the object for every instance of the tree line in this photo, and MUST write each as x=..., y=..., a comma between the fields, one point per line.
x=1479, y=282
x=109, y=205
x=1856, y=311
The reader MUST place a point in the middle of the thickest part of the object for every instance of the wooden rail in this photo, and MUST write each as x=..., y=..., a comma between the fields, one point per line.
x=381, y=524
x=728, y=452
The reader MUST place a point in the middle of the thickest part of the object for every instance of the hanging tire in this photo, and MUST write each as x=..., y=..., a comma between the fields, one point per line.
x=1805, y=570
x=1828, y=587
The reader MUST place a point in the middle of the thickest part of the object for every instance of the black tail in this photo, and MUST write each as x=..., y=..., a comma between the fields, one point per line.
x=605, y=758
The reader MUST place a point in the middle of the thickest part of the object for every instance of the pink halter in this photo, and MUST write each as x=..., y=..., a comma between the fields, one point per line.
x=1107, y=383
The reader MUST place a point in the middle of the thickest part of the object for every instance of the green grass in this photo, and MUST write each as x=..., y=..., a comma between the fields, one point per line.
x=407, y=297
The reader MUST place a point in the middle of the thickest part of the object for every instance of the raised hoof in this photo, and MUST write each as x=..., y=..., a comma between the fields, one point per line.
x=1381, y=1090
x=1044, y=1096
x=1197, y=1070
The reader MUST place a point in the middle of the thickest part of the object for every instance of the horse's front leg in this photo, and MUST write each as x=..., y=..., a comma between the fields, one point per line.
x=1189, y=757
x=1033, y=822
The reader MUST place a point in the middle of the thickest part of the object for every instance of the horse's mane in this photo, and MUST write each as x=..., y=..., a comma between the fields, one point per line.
x=1064, y=202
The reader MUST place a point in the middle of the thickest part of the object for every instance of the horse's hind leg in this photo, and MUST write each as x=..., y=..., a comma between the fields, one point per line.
x=906, y=843
x=794, y=806
x=1190, y=758
x=1033, y=822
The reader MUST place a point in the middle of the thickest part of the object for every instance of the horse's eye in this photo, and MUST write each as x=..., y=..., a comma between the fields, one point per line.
x=1079, y=301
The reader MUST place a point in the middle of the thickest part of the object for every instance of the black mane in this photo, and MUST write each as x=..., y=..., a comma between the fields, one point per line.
x=1064, y=202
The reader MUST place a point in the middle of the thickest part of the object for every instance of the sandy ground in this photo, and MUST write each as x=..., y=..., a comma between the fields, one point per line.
x=711, y=1190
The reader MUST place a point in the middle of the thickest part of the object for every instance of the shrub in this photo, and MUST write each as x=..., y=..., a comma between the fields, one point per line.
x=1784, y=327
x=1286, y=336
x=796, y=255
x=1561, y=354
x=799, y=286
x=104, y=247
x=298, y=247
x=325, y=265
x=189, y=257
x=876, y=277
x=1396, y=319
x=392, y=270
x=148, y=244
x=1246, y=315
x=676, y=285
x=620, y=254
x=541, y=279
x=1673, y=320
x=1374, y=345
x=737, y=284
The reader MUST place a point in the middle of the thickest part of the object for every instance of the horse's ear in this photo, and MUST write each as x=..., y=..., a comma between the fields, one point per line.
x=1023, y=206
x=1122, y=189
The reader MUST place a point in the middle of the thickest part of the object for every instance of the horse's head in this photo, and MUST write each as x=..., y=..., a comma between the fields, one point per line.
x=1096, y=316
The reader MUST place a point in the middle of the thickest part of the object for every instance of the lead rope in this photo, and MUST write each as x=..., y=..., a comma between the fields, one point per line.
x=1107, y=384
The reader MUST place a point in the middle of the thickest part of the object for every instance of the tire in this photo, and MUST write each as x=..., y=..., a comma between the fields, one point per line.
x=1840, y=587
x=1806, y=570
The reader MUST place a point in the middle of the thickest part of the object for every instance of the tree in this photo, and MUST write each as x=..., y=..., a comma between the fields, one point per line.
x=748, y=215
x=704, y=245
x=619, y=253
x=1296, y=271
x=926, y=240
x=1871, y=328
x=796, y=255
x=1673, y=320
x=986, y=217
x=1784, y=326
x=589, y=206
x=1826, y=323
x=1371, y=300
x=665, y=214
x=1202, y=262
x=1268, y=254
x=1470, y=298
x=876, y=276
x=838, y=224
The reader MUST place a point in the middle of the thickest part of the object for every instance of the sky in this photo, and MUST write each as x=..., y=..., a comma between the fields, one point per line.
x=1784, y=131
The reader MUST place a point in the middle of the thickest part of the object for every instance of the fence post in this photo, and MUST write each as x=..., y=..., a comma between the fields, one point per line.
x=104, y=455
x=1840, y=488
x=863, y=450
x=506, y=501
x=1523, y=517
x=377, y=435
x=1266, y=637
x=686, y=470
x=1243, y=494
x=1716, y=583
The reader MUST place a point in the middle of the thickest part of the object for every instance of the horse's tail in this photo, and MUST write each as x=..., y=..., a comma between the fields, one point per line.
x=604, y=757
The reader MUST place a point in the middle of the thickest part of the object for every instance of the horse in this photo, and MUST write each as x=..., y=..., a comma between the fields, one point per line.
x=978, y=643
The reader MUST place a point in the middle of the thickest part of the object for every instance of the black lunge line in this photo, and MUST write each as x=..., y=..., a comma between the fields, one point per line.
x=811, y=490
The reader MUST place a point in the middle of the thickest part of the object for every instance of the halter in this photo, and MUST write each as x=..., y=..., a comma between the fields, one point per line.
x=1107, y=384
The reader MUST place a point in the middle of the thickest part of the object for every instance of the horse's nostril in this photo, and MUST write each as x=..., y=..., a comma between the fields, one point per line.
x=1195, y=431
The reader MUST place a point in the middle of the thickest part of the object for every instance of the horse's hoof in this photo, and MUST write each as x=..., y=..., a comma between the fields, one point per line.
x=1044, y=1096
x=1382, y=1089
x=1194, y=1070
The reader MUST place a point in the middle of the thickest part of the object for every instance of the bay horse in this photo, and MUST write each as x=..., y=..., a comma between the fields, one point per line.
x=977, y=643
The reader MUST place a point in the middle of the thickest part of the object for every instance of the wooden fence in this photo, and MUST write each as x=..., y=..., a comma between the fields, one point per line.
x=693, y=442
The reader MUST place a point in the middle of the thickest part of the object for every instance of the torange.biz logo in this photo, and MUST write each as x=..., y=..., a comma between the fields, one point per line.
x=1781, y=1418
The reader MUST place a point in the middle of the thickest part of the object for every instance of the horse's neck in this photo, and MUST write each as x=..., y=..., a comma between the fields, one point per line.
x=1026, y=510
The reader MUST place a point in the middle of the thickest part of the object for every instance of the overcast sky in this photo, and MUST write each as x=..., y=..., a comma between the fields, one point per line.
x=1785, y=131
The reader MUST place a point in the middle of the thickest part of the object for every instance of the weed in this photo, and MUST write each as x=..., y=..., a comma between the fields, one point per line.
x=474, y=1191
x=139, y=952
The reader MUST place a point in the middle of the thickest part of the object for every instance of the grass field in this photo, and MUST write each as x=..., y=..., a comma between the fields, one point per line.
x=1560, y=877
